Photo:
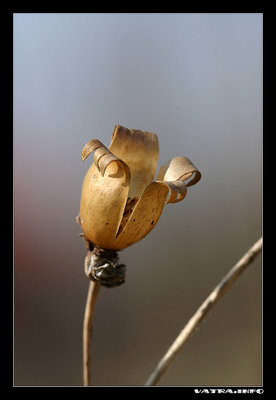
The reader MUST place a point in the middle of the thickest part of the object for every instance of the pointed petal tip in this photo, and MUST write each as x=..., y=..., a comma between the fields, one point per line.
x=92, y=145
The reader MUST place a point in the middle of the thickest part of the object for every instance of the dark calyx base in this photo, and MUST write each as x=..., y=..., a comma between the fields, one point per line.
x=102, y=265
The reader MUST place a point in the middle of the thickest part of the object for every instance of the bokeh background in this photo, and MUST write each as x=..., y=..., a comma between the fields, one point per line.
x=196, y=81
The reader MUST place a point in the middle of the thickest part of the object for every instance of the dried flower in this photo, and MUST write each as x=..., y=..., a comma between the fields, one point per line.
x=120, y=202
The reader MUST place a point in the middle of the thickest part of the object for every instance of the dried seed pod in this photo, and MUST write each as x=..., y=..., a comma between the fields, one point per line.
x=120, y=202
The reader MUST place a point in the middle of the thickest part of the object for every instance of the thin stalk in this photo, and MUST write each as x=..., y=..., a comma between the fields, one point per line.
x=201, y=313
x=92, y=295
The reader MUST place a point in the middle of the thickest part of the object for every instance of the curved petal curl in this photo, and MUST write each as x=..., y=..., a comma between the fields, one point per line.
x=120, y=204
x=104, y=195
x=178, y=174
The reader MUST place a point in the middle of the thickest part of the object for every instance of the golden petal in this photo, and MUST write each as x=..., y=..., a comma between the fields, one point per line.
x=144, y=216
x=94, y=144
x=177, y=191
x=104, y=195
x=139, y=150
x=179, y=168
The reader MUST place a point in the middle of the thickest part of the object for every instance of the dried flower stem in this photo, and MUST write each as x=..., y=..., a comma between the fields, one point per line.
x=201, y=313
x=92, y=295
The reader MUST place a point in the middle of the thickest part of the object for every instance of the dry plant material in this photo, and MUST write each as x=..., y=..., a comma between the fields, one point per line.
x=203, y=310
x=121, y=203
x=92, y=296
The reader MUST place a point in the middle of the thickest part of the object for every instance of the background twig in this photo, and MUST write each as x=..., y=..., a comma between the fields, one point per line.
x=206, y=306
x=92, y=295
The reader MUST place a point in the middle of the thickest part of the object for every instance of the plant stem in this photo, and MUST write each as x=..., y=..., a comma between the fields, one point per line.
x=92, y=295
x=201, y=313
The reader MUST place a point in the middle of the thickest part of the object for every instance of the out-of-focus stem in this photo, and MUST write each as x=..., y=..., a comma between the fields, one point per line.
x=92, y=295
x=201, y=313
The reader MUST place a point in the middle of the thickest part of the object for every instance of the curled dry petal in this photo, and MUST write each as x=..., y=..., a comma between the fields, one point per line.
x=100, y=161
x=104, y=195
x=144, y=215
x=139, y=150
x=120, y=204
x=174, y=174
x=179, y=168
x=149, y=207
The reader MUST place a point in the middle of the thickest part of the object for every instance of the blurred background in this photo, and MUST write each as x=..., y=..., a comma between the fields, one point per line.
x=196, y=81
